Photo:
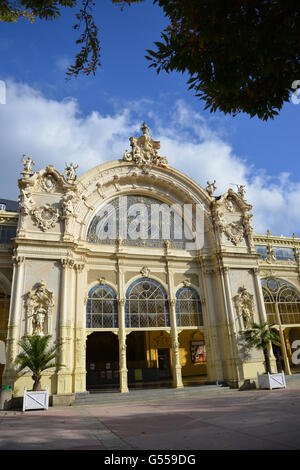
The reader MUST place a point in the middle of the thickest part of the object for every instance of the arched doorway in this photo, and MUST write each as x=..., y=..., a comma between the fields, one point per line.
x=102, y=347
x=148, y=344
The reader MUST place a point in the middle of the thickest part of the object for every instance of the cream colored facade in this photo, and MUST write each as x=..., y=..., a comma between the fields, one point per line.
x=51, y=267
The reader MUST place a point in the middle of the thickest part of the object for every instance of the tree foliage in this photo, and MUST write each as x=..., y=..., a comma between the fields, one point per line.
x=261, y=337
x=240, y=55
x=37, y=355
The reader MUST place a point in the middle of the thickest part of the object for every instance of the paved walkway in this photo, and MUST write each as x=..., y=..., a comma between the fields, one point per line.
x=189, y=419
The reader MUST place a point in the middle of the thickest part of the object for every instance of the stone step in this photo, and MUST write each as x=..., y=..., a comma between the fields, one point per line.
x=149, y=394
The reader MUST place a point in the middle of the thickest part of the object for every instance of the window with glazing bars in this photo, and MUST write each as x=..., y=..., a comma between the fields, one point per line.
x=102, y=308
x=146, y=305
x=188, y=307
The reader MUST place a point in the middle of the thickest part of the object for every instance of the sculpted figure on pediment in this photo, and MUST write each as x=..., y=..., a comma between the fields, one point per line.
x=70, y=172
x=211, y=187
x=28, y=164
x=144, y=151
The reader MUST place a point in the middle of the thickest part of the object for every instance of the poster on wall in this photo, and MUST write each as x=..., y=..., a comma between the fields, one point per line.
x=198, y=352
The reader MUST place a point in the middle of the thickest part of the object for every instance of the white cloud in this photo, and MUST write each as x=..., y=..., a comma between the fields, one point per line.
x=57, y=132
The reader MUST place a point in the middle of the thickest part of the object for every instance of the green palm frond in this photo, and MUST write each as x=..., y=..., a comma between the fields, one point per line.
x=37, y=355
x=260, y=336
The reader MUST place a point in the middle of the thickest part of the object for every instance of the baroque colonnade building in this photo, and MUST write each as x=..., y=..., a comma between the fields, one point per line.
x=131, y=309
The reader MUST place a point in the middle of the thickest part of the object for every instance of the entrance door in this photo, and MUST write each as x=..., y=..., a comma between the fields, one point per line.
x=164, y=362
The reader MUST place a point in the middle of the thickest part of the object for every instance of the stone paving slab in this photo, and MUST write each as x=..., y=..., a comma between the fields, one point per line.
x=257, y=419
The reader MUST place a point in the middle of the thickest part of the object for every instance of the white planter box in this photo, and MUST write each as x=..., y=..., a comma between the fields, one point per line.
x=271, y=381
x=36, y=400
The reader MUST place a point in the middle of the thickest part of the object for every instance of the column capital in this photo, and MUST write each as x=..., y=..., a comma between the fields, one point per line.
x=79, y=266
x=256, y=270
x=225, y=269
x=172, y=302
x=67, y=262
x=121, y=301
x=18, y=260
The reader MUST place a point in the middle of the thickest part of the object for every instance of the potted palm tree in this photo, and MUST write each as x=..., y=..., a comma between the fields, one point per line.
x=261, y=337
x=37, y=355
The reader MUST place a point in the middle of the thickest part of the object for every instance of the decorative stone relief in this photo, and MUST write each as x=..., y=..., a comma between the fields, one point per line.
x=145, y=271
x=39, y=304
x=45, y=216
x=144, y=151
x=48, y=182
x=229, y=204
x=234, y=232
x=26, y=203
x=68, y=212
x=271, y=257
x=245, y=306
x=235, y=204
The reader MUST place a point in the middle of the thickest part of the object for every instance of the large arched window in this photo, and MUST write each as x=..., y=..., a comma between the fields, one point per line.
x=140, y=221
x=282, y=295
x=188, y=307
x=102, y=308
x=146, y=305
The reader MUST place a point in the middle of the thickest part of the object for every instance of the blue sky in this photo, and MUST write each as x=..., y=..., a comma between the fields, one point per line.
x=90, y=119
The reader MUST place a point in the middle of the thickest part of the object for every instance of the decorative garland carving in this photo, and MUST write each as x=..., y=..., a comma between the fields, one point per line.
x=45, y=216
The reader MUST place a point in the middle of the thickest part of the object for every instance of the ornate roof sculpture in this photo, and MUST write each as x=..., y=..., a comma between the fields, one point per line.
x=145, y=150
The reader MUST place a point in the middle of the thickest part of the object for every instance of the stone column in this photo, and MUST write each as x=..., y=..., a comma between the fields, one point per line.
x=79, y=371
x=63, y=376
x=14, y=319
x=260, y=298
x=122, y=347
x=213, y=361
x=282, y=341
x=176, y=366
x=231, y=328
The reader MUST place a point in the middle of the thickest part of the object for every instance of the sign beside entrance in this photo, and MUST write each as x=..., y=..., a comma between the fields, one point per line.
x=198, y=352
